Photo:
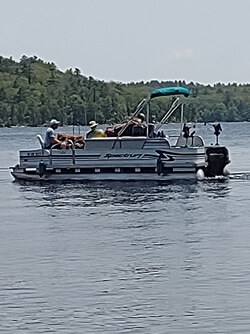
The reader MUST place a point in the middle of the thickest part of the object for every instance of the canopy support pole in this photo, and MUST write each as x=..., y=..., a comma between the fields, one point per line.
x=147, y=120
x=182, y=117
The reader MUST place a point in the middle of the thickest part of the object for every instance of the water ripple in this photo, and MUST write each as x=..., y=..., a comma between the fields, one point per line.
x=124, y=258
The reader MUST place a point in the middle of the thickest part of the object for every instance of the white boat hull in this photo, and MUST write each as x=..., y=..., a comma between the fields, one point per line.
x=123, y=159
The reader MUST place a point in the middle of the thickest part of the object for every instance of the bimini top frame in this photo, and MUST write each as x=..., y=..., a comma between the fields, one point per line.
x=168, y=91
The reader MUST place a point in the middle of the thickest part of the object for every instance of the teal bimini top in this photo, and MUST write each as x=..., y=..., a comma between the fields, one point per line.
x=170, y=91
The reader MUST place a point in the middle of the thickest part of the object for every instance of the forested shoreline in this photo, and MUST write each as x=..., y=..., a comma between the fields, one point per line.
x=33, y=91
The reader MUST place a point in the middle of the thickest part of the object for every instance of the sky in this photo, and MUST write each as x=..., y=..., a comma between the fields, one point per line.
x=134, y=40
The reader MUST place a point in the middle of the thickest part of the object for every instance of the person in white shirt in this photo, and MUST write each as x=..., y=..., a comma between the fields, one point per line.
x=50, y=137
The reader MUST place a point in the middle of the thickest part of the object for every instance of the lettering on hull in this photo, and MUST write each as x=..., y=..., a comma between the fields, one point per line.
x=124, y=155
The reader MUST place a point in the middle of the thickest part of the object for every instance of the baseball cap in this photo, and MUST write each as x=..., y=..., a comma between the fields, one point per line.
x=54, y=121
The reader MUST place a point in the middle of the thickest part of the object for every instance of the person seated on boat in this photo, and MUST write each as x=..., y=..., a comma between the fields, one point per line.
x=94, y=132
x=140, y=119
x=50, y=137
x=134, y=127
x=139, y=126
x=144, y=125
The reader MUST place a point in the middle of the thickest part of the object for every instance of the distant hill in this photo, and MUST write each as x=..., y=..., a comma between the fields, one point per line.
x=33, y=91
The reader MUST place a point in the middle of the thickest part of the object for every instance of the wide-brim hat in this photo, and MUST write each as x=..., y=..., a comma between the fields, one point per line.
x=92, y=124
x=54, y=121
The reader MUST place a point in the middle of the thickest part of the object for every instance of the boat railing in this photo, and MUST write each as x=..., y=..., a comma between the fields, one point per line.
x=180, y=141
x=71, y=146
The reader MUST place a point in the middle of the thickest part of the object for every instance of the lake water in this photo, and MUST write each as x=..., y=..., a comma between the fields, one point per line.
x=126, y=257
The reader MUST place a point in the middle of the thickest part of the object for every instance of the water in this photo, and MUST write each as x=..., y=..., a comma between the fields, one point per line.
x=125, y=258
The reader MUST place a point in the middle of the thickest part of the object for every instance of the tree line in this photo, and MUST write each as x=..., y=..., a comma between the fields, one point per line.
x=33, y=91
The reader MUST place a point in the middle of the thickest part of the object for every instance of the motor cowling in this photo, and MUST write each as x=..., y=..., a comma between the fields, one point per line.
x=217, y=157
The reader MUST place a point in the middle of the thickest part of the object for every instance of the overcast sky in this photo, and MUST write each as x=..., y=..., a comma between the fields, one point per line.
x=133, y=40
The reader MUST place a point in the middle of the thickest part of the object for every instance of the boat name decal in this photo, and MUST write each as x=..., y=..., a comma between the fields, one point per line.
x=125, y=155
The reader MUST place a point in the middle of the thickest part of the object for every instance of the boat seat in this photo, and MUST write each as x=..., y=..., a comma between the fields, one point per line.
x=197, y=141
x=41, y=141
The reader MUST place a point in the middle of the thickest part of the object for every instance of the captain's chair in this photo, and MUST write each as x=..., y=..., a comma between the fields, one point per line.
x=41, y=141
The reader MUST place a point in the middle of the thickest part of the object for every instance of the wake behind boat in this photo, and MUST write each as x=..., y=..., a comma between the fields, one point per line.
x=131, y=151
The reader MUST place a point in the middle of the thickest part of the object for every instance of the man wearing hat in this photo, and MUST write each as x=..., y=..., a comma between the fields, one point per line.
x=50, y=137
x=94, y=132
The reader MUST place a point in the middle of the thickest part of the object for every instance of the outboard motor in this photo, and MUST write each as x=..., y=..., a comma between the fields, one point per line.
x=217, y=158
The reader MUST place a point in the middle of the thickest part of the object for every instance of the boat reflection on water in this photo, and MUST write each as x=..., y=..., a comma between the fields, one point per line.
x=134, y=195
